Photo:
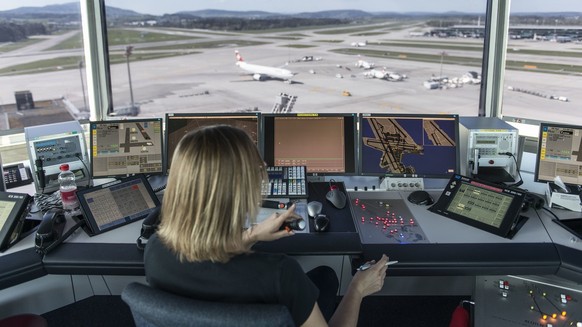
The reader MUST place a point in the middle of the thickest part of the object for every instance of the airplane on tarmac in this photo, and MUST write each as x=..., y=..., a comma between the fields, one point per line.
x=364, y=64
x=359, y=44
x=384, y=74
x=261, y=73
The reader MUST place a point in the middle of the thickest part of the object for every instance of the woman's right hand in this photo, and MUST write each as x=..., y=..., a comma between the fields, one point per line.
x=270, y=228
x=370, y=280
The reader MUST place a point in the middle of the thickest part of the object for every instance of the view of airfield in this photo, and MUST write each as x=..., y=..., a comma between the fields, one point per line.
x=403, y=64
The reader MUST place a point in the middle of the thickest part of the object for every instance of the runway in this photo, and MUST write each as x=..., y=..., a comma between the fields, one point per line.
x=209, y=81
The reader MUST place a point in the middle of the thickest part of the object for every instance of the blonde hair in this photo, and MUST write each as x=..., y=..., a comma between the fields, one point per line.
x=213, y=187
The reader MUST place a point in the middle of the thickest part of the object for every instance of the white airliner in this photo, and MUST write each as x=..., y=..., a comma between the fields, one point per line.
x=364, y=64
x=261, y=73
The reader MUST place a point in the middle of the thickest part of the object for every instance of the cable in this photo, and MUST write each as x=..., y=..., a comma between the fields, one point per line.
x=63, y=237
x=84, y=165
x=516, y=168
x=161, y=188
x=46, y=202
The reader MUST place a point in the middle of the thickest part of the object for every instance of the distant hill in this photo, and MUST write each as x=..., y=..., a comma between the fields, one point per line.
x=66, y=9
x=337, y=14
x=73, y=8
x=211, y=13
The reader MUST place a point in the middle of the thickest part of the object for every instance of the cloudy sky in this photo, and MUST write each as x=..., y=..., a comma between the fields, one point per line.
x=285, y=6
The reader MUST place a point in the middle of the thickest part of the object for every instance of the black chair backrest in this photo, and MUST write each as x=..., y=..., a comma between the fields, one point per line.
x=156, y=308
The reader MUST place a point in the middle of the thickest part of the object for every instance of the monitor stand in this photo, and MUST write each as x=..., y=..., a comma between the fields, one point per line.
x=494, y=175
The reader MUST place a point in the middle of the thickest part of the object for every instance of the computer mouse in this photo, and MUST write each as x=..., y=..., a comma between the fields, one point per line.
x=421, y=198
x=314, y=208
x=336, y=197
x=321, y=223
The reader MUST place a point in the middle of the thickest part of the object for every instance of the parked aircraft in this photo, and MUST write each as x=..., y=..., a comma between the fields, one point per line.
x=384, y=74
x=261, y=73
x=359, y=44
x=364, y=64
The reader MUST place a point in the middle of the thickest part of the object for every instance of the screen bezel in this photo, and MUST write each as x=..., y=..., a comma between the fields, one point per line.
x=360, y=143
x=88, y=215
x=169, y=116
x=509, y=221
x=350, y=137
x=538, y=153
x=92, y=125
x=13, y=219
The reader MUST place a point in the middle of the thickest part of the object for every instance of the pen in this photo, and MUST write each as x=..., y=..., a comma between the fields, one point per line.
x=368, y=265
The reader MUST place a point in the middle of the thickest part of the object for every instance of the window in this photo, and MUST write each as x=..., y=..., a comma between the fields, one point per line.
x=42, y=64
x=369, y=56
x=544, y=63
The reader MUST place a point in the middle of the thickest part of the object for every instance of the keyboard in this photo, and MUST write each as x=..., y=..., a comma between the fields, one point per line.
x=286, y=182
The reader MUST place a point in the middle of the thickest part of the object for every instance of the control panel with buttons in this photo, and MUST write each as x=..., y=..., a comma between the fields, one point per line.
x=402, y=184
x=507, y=301
x=286, y=181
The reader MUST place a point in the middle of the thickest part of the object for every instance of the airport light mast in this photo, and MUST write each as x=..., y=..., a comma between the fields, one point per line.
x=443, y=54
x=127, y=54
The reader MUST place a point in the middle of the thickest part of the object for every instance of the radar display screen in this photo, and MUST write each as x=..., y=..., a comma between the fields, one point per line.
x=486, y=206
x=180, y=124
x=323, y=142
x=408, y=145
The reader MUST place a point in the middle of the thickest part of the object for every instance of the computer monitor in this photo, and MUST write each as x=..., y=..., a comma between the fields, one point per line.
x=559, y=154
x=325, y=142
x=409, y=145
x=180, y=124
x=126, y=147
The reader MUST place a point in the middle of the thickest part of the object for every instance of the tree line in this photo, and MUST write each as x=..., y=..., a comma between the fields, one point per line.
x=243, y=24
x=12, y=32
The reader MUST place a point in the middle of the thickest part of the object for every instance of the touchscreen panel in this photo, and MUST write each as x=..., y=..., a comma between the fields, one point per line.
x=111, y=206
x=489, y=207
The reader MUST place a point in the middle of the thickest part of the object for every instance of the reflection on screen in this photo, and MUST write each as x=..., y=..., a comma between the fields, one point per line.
x=5, y=209
x=178, y=125
x=322, y=142
x=559, y=153
x=126, y=147
x=480, y=204
x=409, y=145
x=119, y=204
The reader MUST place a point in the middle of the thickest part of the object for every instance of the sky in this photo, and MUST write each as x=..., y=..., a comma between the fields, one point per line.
x=158, y=7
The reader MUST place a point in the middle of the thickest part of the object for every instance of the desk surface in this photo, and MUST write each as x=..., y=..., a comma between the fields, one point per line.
x=540, y=247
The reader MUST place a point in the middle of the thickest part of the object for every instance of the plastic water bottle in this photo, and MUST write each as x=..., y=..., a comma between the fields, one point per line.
x=68, y=189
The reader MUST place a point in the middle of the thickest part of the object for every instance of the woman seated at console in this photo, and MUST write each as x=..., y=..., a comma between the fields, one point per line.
x=202, y=251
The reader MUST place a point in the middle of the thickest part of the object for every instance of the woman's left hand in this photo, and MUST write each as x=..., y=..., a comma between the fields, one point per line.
x=270, y=228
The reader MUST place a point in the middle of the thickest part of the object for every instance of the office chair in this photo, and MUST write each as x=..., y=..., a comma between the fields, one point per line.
x=152, y=307
x=24, y=320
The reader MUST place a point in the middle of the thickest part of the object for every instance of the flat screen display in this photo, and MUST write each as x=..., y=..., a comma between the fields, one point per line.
x=126, y=147
x=486, y=206
x=399, y=145
x=109, y=206
x=559, y=154
x=324, y=143
x=178, y=125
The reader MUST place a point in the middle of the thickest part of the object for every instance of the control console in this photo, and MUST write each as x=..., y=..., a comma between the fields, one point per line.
x=508, y=301
x=286, y=181
x=402, y=184
x=384, y=219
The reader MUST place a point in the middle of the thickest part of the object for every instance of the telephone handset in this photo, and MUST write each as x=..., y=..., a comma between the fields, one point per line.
x=50, y=230
x=148, y=228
